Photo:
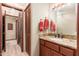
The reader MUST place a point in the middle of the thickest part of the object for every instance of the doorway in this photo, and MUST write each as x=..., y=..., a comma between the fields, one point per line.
x=9, y=30
x=12, y=34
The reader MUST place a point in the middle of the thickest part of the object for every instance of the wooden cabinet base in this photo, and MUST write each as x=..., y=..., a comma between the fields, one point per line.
x=52, y=49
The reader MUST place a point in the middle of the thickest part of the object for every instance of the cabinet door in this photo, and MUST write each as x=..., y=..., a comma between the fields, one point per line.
x=66, y=51
x=44, y=51
x=47, y=51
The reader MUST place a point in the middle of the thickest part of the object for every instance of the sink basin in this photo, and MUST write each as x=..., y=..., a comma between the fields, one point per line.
x=62, y=40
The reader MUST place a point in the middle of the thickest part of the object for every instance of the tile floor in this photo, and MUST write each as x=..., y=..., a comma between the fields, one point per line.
x=13, y=49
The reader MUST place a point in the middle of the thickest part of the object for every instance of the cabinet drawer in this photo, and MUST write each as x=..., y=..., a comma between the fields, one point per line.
x=52, y=46
x=41, y=41
x=54, y=53
x=66, y=51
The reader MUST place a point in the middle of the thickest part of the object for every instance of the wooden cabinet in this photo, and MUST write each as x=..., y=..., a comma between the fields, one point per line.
x=53, y=49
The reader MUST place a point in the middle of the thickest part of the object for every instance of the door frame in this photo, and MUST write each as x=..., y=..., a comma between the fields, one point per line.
x=29, y=53
x=77, y=29
x=22, y=34
x=1, y=29
x=17, y=31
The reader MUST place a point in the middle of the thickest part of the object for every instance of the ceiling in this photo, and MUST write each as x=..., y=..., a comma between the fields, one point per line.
x=18, y=5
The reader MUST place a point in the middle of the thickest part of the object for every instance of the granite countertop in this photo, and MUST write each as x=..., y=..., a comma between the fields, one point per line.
x=63, y=41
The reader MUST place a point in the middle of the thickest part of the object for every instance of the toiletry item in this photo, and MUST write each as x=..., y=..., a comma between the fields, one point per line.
x=58, y=35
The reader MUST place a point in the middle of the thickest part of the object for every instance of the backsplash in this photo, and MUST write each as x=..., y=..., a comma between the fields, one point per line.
x=70, y=36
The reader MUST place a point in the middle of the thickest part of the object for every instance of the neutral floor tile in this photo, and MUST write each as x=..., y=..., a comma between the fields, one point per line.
x=13, y=49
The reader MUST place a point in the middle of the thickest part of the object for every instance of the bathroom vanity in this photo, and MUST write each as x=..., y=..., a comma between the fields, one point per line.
x=65, y=19
x=57, y=47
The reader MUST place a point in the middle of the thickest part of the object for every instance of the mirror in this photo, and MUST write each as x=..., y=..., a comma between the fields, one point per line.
x=65, y=18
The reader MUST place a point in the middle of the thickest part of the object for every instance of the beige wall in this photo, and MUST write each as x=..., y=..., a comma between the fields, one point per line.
x=39, y=10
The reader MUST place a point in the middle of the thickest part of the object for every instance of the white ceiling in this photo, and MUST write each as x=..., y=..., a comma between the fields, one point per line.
x=18, y=5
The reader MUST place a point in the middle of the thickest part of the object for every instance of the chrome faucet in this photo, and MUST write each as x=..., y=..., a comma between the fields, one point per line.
x=59, y=35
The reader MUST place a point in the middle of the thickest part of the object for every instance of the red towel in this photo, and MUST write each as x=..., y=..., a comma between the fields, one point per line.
x=46, y=23
x=41, y=25
x=52, y=26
